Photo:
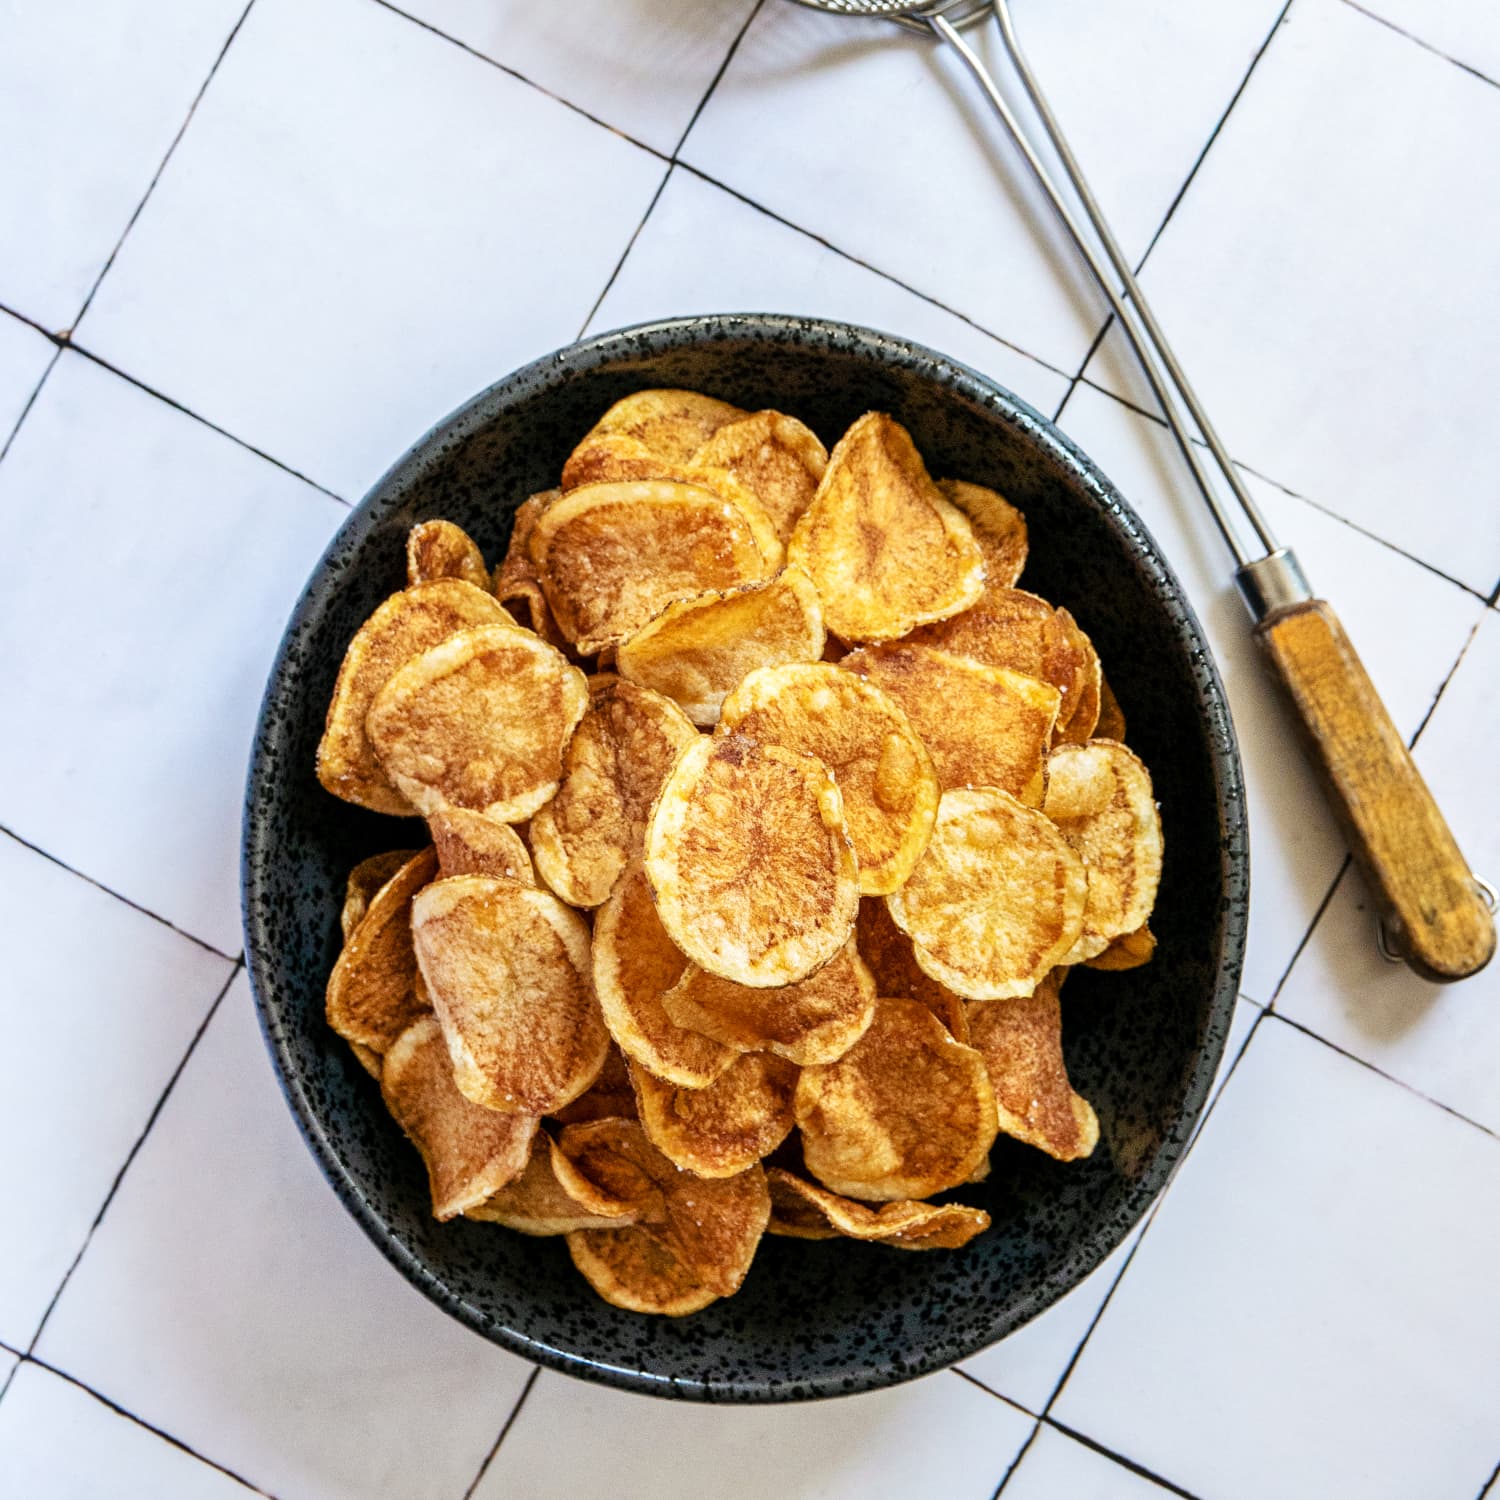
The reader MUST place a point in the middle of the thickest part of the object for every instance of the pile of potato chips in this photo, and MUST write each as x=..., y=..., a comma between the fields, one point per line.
x=767, y=816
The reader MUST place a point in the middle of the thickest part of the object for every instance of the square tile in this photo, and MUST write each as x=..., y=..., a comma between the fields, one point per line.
x=179, y=555
x=642, y=66
x=1341, y=331
x=1056, y=1466
x=24, y=357
x=1296, y=848
x=365, y=226
x=1466, y=30
x=99, y=1005
x=1314, y=1311
x=1441, y=1039
x=228, y=1299
x=759, y=264
x=58, y=1441
x=879, y=142
x=92, y=94
x=938, y=1436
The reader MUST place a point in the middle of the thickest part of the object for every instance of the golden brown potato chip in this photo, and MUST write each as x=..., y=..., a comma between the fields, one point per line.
x=1013, y=629
x=635, y=964
x=1099, y=795
x=480, y=722
x=613, y=768
x=905, y=1113
x=999, y=528
x=405, y=626
x=1111, y=725
x=365, y=879
x=599, y=1165
x=536, y=1202
x=1021, y=1043
x=883, y=547
x=750, y=862
x=508, y=969
x=982, y=725
x=696, y=650
x=814, y=1021
x=611, y=1096
x=1128, y=951
x=369, y=1059
x=468, y=843
x=516, y=583
x=701, y=1248
x=613, y=556
x=369, y=999
x=804, y=1211
x=893, y=964
x=778, y=459
x=884, y=773
x=674, y=424
x=718, y=1131
x=996, y=901
x=439, y=549
x=471, y=1153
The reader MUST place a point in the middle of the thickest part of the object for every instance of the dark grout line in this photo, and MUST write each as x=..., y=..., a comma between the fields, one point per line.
x=1425, y=46
x=510, y=1421
x=1489, y=1484
x=130, y=1416
x=708, y=93
x=1447, y=1109
x=161, y=167
x=1125, y=1463
x=990, y=1390
x=520, y=77
x=36, y=391
x=140, y=1140
x=99, y=885
x=1015, y=1463
x=619, y=265
x=1312, y=927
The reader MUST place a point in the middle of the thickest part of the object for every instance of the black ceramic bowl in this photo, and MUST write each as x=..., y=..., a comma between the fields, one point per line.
x=813, y=1319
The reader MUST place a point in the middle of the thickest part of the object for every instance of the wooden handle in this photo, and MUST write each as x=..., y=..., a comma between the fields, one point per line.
x=1434, y=914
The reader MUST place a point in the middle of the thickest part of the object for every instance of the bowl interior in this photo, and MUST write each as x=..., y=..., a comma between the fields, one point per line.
x=813, y=1318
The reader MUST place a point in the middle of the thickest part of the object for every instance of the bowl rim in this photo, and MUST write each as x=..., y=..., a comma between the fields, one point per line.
x=1088, y=1250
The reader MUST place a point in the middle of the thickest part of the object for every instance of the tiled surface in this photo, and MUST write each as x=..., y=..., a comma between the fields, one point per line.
x=376, y=209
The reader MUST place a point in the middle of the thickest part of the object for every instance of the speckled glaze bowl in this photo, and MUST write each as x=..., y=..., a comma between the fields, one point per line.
x=814, y=1318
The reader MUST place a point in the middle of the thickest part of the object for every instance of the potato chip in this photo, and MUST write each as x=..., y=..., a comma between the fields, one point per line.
x=888, y=953
x=368, y=1058
x=884, y=773
x=369, y=999
x=600, y=1166
x=804, y=1211
x=439, y=549
x=479, y=722
x=982, y=725
x=471, y=1153
x=610, y=1097
x=774, y=456
x=365, y=879
x=997, y=900
x=405, y=626
x=696, y=650
x=670, y=423
x=700, y=1250
x=613, y=556
x=905, y=1113
x=1111, y=725
x=750, y=862
x=1128, y=951
x=814, y=1021
x=1013, y=629
x=1021, y=1042
x=508, y=968
x=468, y=843
x=613, y=768
x=635, y=964
x=536, y=1203
x=516, y=582
x=883, y=547
x=718, y=1131
x=999, y=528
x=1100, y=798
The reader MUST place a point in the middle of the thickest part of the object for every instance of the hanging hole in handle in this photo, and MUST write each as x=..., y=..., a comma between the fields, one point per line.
x=1487, y=894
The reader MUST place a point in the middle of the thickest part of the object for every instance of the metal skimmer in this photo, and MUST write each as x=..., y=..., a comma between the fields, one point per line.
x=1435, y=914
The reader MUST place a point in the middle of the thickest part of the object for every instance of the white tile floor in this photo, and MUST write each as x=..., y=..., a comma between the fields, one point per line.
x=372, y=209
